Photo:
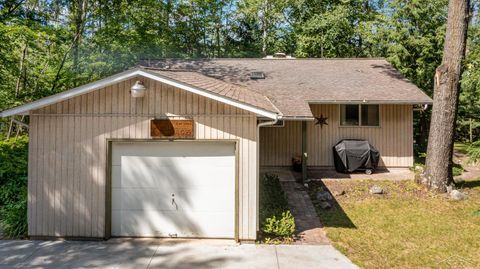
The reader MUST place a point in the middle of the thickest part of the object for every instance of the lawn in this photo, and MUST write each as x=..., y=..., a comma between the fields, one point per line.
x=408, y=227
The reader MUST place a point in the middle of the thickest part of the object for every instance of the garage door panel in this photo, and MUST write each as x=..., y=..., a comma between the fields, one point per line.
x=170, y=223
x=201, y=175
x=176, y=161
x=205, y=200
x=185, y=199
x=169, y=149
x=146, y=199
x=116, y=176
x=116, y=198
x=166, y=177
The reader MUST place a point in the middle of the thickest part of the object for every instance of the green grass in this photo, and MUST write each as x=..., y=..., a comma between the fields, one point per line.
x=461, y=147
x=406, y=228
x=277, y=225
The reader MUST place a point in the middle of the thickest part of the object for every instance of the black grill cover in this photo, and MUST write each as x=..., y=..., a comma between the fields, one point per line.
x=350, y=155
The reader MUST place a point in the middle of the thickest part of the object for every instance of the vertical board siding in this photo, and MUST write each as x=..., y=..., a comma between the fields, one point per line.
x=394, y=137
x=68, y=160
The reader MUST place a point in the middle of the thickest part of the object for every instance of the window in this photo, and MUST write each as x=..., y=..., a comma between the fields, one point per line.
x=359, y=115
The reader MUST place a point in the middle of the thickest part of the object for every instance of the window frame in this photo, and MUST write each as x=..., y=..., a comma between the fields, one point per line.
x=359, y=117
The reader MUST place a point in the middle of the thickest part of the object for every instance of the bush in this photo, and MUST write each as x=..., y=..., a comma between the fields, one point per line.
x=457, y=170
x=13, y=216
x=13, y=186
x=284, y=226
x=277, y=223
x=473, y=151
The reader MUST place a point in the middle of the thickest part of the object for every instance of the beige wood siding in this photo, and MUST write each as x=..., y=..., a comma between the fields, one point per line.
x=394, y=137
x=68, y=159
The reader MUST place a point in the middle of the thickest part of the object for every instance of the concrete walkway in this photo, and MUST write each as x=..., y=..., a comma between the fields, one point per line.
x=157, y=253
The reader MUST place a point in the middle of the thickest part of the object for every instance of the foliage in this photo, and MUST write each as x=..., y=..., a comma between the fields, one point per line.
x=473, y=151
x=284, y=226
x=13, y=159
x=13, y=186
x=277, y=223
x=13, y=215
x=457, y=170
x=469, y=107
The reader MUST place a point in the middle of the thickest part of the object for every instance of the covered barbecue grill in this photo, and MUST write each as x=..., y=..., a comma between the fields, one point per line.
x=350, y=155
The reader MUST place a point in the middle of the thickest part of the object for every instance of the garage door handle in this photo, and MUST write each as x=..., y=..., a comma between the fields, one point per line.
x=173, y=201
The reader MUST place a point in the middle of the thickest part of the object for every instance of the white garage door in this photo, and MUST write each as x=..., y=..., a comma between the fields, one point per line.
x=177, y=189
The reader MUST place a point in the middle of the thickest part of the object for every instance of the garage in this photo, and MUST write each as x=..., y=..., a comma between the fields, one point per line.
x=173, y=189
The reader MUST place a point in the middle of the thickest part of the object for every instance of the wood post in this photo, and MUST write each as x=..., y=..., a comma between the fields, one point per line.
x=10, y=128
x=470, y=132
x=304, y=151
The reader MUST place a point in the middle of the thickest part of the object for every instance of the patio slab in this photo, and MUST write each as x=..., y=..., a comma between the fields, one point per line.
x=390, y=174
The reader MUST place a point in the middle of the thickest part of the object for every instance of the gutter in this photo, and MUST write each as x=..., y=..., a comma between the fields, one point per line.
x=373, y=102
x=262, y=124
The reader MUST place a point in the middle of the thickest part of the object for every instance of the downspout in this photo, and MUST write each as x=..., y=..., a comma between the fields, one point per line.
x=268, y=123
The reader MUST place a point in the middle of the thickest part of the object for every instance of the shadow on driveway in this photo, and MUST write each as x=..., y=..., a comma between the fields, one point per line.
x=159, y=253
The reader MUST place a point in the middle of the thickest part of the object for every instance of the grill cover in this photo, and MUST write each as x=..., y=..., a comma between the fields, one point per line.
x=350, y=155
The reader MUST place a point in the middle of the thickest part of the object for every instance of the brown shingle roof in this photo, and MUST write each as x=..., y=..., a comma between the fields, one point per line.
x=230, y=90
x=291, y=84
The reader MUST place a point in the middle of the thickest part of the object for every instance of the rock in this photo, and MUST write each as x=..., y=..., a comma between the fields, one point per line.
x=324, y=196
x=419, y=168
x=457, y=195
x=339, y=193
x=306, y=185
x=376, y=190
x=449, y=189
x=325, y=205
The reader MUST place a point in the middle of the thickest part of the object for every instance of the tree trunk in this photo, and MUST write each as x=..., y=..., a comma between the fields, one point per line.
x=80, y=10
x=22, y=69
x=265, y=11
x=438, y=171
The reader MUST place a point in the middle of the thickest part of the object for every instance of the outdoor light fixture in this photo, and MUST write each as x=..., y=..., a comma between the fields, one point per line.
x=138, y=90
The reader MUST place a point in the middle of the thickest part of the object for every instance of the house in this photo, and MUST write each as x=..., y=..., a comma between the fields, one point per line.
x=172, y=148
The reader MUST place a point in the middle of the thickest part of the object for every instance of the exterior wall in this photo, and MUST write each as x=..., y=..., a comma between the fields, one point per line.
x=68, y=154
x=394, y=138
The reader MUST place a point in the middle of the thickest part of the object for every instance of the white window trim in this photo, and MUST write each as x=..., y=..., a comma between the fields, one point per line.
x=360, y=117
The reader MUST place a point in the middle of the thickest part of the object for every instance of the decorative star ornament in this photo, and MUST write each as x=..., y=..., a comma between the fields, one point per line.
x=321, y=120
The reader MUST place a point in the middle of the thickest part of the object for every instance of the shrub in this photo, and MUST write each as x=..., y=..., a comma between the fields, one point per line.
x=277, y=223
x=473, y=151
x=457, y=170
x=13, y=158
x=13, y=216
x=284, y=226
x=13, y=186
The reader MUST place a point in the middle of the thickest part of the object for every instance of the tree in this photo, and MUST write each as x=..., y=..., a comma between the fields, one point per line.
x=468, y=123
x=438, y=172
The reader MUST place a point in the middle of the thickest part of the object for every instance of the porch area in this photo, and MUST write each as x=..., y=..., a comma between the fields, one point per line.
x=329, y=173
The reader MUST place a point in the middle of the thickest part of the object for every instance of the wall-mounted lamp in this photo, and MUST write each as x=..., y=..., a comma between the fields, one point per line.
x=138, y=90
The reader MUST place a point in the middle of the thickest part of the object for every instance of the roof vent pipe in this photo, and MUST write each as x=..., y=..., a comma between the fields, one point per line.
x=279, y=56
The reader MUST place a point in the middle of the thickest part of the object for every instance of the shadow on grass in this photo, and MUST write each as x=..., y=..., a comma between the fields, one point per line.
x=334, y=216
x=468, y=184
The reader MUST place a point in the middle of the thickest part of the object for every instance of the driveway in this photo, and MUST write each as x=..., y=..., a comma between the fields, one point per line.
x=158, y=253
